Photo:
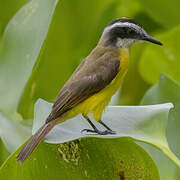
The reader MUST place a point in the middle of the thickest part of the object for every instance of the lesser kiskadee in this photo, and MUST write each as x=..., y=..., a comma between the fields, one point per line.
x=95, y=80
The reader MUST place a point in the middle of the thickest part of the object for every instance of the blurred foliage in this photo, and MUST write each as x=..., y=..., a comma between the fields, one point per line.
x=7, y=9
x=39, y=51
x=163, y=12
x=21, y=44
x=162, y=59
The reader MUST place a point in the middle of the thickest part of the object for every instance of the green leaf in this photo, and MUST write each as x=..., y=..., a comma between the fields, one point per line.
x=167, y=90
x=157, y=59
x=134, y=120
x=163, y=11
x=13, y=134
x=167, y=169
x=87, y=158
x=3, y=152
x=22, y=41
x=7, y=9
x=142, y=123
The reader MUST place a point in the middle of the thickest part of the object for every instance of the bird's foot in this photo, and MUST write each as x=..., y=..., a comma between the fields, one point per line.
x=96, y=131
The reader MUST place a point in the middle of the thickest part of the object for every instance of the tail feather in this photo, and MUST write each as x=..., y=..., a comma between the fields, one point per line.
x=35, y=140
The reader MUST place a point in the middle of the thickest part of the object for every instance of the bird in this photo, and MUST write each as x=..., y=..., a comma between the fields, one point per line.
x=94, y=81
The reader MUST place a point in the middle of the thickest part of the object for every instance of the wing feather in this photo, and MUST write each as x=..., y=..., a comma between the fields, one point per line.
x=84, y=84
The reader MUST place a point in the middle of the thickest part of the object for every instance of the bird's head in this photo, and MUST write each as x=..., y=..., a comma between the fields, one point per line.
x=123, y=32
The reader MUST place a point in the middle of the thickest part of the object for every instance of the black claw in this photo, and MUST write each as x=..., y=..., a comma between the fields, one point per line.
x=95, y=130
x=106, y=132
x=112, y=132
x=87, y=130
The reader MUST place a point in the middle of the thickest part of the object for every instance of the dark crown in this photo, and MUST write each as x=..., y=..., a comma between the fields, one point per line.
x=124, y=20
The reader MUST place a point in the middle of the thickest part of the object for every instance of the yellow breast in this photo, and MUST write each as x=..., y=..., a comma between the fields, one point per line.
x=99, y=101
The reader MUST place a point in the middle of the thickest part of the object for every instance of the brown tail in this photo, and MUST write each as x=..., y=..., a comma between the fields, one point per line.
x=35, y=140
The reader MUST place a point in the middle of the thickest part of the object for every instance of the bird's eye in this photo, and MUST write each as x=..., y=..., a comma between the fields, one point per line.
x=124, y=29
x=131, y=32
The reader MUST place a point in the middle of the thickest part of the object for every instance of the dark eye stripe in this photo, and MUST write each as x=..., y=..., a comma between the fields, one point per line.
x=124, y=32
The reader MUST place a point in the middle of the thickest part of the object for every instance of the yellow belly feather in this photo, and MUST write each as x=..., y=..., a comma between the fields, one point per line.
x=97, y=103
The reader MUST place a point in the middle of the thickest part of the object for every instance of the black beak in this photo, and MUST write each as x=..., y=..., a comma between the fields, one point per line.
x=151, y=39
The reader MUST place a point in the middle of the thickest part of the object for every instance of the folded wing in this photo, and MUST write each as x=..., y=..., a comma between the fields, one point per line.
x=88, y=79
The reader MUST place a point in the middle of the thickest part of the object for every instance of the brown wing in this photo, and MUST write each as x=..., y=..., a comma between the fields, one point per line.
x=88, y=80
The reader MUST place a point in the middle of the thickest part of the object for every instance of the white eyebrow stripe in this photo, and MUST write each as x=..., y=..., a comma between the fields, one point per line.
x=123, y=24
x=126, y=24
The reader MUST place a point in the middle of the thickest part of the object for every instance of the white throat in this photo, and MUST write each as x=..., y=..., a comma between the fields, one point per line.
x=124, y=43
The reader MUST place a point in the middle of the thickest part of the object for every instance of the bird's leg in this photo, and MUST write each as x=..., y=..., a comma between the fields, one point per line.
x=95, y=130
x=109, y=129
